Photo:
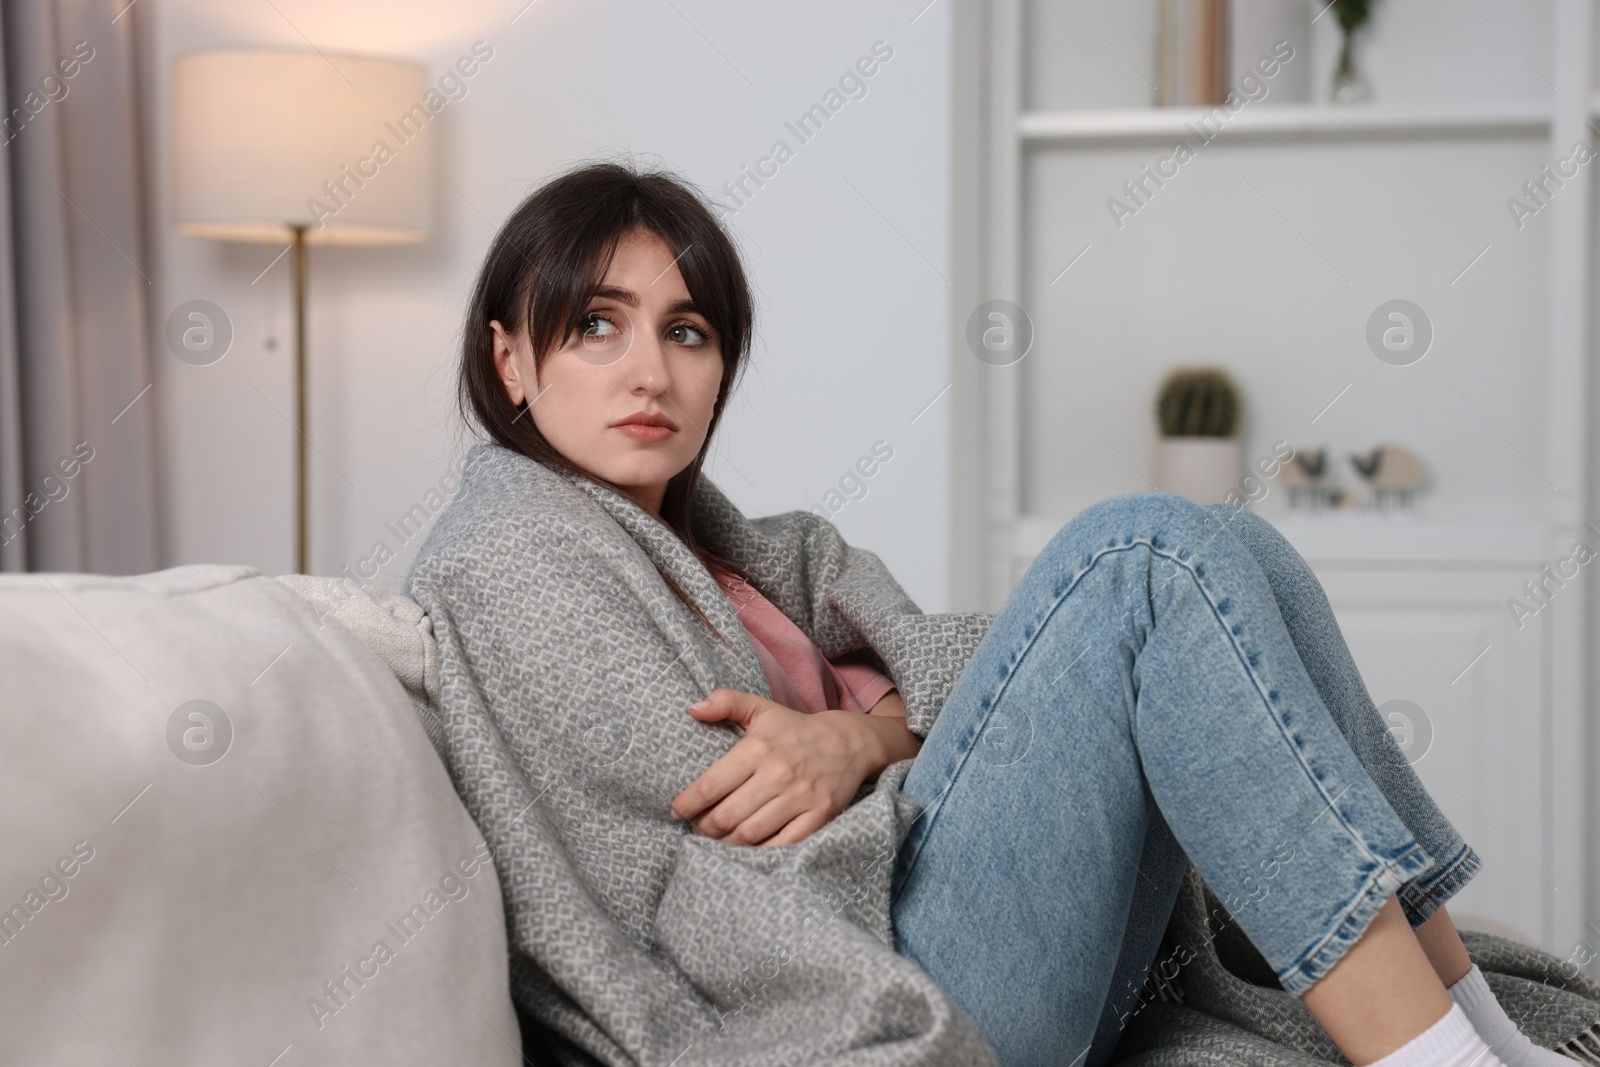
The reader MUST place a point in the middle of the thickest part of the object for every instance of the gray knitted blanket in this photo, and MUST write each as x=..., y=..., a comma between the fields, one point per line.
x=1224, y=1007
x=566, y=670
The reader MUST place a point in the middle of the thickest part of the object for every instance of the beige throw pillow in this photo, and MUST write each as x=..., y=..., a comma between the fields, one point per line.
x=227, y=838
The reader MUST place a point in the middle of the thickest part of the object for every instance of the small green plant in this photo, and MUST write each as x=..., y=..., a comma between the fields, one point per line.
x=1198, y=402
x=1352, y=16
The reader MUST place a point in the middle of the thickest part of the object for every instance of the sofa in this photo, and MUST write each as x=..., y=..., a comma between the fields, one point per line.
x=228, y=835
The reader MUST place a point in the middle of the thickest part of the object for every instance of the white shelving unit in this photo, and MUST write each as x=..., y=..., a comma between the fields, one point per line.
x=1418, y=595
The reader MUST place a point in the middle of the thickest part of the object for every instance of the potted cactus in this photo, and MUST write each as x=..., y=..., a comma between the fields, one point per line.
x=1197, y=410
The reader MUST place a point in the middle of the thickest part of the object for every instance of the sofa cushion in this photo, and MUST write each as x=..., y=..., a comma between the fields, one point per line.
x=227, y=838
x=391, y=625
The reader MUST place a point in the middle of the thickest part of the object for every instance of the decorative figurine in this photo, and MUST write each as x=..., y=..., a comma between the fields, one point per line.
x=1393, y=473
x=1306, y=478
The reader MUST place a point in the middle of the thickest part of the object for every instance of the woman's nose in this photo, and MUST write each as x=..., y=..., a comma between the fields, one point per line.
x=646, y=364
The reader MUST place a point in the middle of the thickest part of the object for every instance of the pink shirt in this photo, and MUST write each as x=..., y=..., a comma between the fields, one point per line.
x=800, y=678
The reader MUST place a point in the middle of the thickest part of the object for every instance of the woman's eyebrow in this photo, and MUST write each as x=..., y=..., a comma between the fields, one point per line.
x=629, y=297
x=613, y=292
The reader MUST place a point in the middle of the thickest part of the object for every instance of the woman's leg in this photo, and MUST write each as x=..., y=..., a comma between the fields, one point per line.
x=1443, y=946
x=1138, y=702
x=1355, y=1002
x=1315, y=633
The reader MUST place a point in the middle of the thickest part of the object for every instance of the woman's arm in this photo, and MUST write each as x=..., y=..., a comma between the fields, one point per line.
x=792, y=772
x=886, y=725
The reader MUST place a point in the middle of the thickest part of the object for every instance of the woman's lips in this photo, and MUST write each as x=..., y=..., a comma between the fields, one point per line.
x=641, y=432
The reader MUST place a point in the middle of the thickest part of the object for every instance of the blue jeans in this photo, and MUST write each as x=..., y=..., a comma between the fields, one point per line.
x=1166, y=685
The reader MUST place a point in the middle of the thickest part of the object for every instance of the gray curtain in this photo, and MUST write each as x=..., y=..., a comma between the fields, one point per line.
x=77, y=455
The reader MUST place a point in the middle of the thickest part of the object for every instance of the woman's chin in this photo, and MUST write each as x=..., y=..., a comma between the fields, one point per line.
x=641, y=475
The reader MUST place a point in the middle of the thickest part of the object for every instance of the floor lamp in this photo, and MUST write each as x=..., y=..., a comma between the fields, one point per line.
x=279, y=146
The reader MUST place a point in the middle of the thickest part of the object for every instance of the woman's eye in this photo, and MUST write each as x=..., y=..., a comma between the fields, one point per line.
x=688, y=334
x=594, y=326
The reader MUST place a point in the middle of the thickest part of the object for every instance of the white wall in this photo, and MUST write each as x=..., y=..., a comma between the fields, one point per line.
x=847, y=248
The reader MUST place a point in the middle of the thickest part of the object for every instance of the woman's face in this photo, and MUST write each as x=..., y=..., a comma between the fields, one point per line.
x=641, y=352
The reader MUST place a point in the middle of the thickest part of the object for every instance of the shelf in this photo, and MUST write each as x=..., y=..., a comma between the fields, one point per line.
x=1374, y=540
x=1286, y=120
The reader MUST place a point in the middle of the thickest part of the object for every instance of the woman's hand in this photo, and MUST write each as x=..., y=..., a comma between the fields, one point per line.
x=787, y=776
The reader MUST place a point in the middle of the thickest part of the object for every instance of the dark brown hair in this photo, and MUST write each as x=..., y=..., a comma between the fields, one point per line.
x=543, y=268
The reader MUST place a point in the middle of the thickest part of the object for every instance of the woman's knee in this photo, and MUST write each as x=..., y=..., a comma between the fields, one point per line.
x=1166, y=522
x=1264, y=540
x=1126, y=517
x=1237, y=517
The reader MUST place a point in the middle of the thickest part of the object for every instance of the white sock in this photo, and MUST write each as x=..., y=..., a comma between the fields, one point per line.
x=1511, y=1045
x=1450, y=1042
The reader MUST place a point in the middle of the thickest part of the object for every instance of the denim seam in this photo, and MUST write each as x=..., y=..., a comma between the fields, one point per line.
x=1446, y=882
x=933, y=809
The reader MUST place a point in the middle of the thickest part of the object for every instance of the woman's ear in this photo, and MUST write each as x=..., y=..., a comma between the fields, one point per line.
x=505, y=363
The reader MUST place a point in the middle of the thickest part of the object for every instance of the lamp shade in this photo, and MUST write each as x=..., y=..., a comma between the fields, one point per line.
x=264, y=140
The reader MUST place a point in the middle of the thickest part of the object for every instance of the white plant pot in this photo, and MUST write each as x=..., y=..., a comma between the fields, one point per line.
x=1204, y=469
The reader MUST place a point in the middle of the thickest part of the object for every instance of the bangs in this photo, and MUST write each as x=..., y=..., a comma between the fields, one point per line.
x=573, y=265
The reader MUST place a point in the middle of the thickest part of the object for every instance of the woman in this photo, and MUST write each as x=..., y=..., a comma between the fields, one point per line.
x=1166, y=685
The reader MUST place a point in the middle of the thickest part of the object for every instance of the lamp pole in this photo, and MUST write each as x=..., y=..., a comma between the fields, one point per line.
x=302, y=548
x=245, y=151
